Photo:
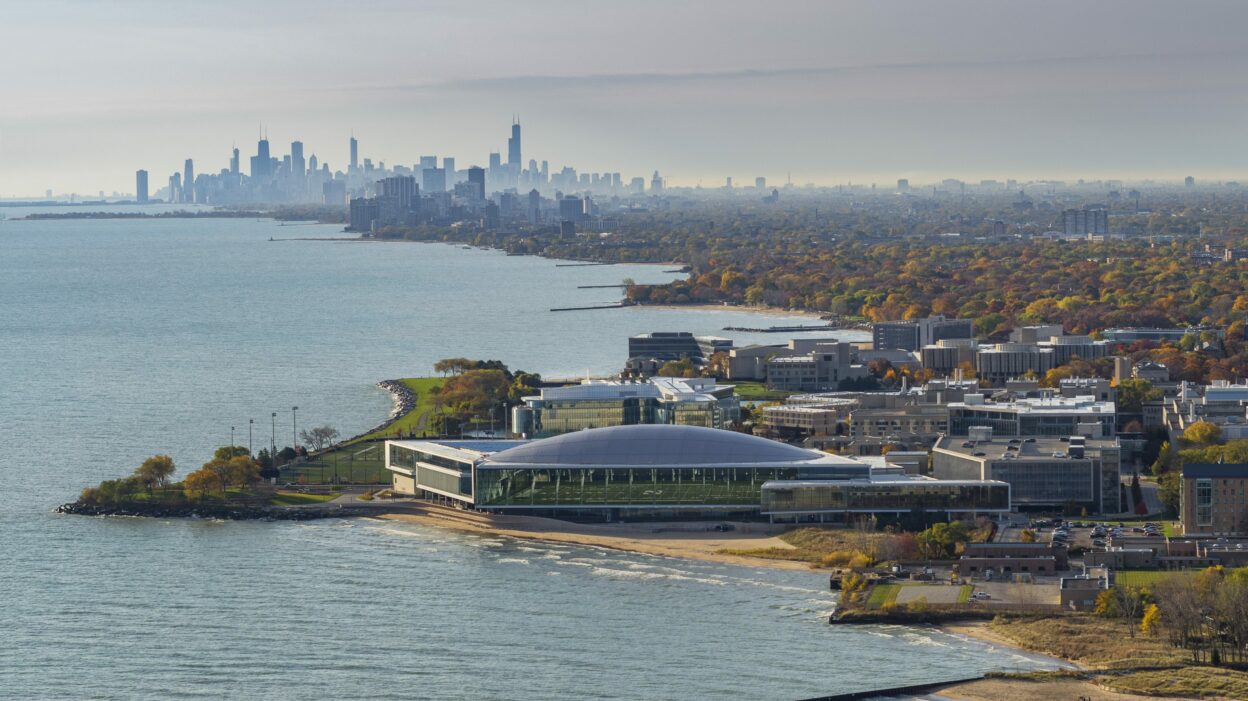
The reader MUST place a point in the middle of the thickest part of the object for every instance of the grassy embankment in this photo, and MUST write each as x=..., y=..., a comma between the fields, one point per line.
x=817, y=546
x=1115, y=660
x=828, y=546
x=360, y=460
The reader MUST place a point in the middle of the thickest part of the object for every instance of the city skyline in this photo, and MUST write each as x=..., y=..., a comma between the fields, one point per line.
x=830, y=93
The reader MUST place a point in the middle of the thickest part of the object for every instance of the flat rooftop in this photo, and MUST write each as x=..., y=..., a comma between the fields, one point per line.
x=1022, y=448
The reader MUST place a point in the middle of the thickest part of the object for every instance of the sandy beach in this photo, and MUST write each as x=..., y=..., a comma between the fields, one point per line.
x=694, y=541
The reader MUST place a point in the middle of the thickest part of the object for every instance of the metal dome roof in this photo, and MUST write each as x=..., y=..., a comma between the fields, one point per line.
x=653, y=444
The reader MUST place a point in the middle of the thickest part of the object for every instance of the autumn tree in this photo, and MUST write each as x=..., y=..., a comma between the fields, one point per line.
x=1203, y=433
x=154, y=472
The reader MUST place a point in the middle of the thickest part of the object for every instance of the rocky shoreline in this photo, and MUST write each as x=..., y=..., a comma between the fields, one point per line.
x=225, y=512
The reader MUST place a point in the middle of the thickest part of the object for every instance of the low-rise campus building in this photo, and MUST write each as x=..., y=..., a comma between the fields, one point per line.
x=666, y=471
x=1214, y=499
x=1042, y=472
x=694, y=401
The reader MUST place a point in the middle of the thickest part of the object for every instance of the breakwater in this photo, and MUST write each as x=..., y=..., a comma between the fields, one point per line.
x=226, y=512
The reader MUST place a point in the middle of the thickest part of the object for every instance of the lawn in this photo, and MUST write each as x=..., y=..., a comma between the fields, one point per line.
x=419, y=421
x=361, y=461
x=354, y=463
x=883, y=594
x=1146, y=578
x=297, y=499
x=758, y=392
x=964, y=596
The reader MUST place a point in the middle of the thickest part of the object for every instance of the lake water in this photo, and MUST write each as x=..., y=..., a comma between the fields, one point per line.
x=124, y=338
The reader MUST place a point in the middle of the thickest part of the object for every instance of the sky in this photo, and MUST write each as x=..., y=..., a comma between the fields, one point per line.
x=825, y=91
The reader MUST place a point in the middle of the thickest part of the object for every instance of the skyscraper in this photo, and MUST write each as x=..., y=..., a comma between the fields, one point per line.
x=140, y=187
x=188, y=181
x=513, y=147
x=234, y=162
x=355, y=155
x=434, y=180
x=298, y=167
x=476, y=178
x=261, y=166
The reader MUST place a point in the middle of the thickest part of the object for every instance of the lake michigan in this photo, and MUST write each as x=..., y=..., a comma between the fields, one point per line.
x=124, y=338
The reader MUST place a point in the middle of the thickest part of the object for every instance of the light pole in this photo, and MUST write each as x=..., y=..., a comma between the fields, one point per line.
x=294, y=428
x=273, y=440
x=250, y=424
x=231, y=439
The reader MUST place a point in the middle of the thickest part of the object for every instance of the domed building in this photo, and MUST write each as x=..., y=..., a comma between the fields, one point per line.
x=635, y=471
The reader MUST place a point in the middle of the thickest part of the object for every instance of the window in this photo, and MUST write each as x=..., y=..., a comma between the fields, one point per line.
x=1204, y=502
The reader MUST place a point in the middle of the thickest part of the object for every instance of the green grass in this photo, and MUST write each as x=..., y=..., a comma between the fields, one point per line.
x=355, y=463
x=964, y=596
x=425, y=388
x=297, y=499
x=758, y=392
x=883, y=595
x=1146, y=578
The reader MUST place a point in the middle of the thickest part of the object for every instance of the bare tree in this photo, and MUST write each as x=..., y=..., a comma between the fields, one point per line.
x=319, y=437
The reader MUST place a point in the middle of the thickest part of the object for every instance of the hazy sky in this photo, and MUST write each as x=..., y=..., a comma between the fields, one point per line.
x=830, y=91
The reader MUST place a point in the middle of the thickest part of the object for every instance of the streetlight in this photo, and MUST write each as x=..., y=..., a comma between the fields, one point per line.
x=250, y=423
x=273, y=439
x=231, y=439
x=294, y=429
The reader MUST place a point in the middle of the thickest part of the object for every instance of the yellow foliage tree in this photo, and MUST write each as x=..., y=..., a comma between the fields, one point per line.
x=1151, y=625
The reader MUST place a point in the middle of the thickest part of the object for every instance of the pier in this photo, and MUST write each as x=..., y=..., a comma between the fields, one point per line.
x=895, y=690
x=785, y=329
x=617, y=305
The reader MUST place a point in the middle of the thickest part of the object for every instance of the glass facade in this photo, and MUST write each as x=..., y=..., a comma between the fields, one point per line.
x=458, y=483
x=899, y=496
x=624, y=486
x=556, y=416
x=1204, y=502
x=1055, y=482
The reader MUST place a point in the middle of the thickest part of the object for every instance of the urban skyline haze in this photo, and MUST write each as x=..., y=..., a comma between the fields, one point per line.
x=829, y=92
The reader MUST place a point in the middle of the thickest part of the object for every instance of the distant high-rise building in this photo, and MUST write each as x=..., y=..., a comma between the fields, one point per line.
x=175, y=188
x=188, y=181
x=903, y=184
x=355, y=155
x=513, y=147
x=140, y=187
x=760, y=183
x=496, y=162
x=434, y=180
x=1189, y=181
x=476, y=178
x=656, y=183
x=261, y=163
x=313, y=164
x=448, y=164
x=728, y=183
x=571, y=209
x=1092, y=220
x=234, y=156
x=298, y=167
x=535, y=206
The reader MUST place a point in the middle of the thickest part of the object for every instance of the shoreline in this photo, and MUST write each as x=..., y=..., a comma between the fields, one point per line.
x=692, y=541
x=747, y=309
